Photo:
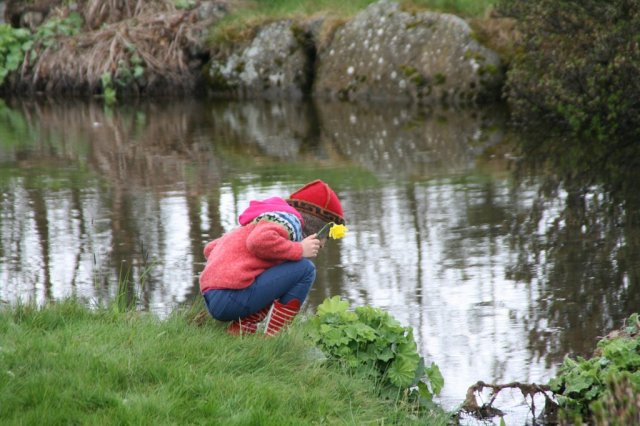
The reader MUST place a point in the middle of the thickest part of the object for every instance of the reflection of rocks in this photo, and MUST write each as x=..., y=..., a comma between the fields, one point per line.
x=276, y=129
x=162, y=144
x=408, y=141
x=424, y=57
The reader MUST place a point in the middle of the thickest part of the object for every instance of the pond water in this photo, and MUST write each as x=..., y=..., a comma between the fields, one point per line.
x=500, y=269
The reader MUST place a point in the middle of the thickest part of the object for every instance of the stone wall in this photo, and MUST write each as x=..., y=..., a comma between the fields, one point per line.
x=383, y=53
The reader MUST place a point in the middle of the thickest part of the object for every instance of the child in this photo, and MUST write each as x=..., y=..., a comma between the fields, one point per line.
x=262, y=270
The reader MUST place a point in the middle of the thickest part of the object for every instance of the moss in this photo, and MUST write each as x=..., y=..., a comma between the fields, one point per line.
x=217, y=81
x=414, y=76
x=413, y=24
x=498, y=34
x=239, y=68
x=302, y=36
x=488, y=69
x=408, y=70
x=439, y=79
x=471, y=54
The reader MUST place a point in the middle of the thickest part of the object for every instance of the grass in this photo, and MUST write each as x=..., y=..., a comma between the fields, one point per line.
x=468, y=8
x=66, y=364
x=241, y=23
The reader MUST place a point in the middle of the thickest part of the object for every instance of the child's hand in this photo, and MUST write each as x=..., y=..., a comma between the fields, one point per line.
x=310, y=246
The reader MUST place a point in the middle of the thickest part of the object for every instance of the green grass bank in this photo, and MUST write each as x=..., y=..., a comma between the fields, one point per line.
x=67, y=364
x=246, y=16
x=466, y=8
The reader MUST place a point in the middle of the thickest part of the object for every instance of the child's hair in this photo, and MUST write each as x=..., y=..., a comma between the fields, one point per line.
x=312, y=224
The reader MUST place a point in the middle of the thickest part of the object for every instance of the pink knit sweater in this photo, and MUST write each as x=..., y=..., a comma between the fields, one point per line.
x=238, y=257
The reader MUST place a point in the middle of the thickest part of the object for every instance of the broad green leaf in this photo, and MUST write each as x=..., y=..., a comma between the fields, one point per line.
x=386, y=354
x=333, y=305
x=593, y=393
x=424, y=391
x=622, y=352
x=409, y=351
x=75, y=20
x=333, y=336
x=110, y=96
x=401, y=372
x=435, y=378
x=364, y=332
x=27, y=45
x=556, y=383
x=13, y=60
x=105, y=78
x=138, y=71
x=578, y=384
x=22, y=33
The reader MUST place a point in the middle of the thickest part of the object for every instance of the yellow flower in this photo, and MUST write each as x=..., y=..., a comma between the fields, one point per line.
x=337, y=231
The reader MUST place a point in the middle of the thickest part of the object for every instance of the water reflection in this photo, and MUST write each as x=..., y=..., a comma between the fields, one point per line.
x=401, y=141
x=502, y=269
x=578, y=242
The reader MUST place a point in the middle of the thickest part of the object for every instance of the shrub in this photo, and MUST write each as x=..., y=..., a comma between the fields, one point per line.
x=13, y=45
x=370, y=341
x=604, y=387
x=16, y=43
x=577, y=65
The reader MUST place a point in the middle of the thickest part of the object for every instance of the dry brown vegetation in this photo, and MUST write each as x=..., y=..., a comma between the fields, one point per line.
x=120, y=35
x=498, y=33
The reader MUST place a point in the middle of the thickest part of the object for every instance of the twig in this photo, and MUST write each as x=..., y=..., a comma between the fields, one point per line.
x=471, y=406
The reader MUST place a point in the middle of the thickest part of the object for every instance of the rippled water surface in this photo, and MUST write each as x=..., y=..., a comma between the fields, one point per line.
x=499, y=273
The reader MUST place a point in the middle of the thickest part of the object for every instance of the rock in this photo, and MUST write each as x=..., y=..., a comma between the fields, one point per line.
x=19, y=13
x=211, y=10
x=276, y=63
x=423, y=57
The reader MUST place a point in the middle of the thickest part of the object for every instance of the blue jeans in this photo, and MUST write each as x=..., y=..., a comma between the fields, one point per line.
x=284, y=282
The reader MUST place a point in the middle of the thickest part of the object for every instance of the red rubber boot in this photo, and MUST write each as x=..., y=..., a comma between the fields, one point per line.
x=248, y=324
x=281, y=315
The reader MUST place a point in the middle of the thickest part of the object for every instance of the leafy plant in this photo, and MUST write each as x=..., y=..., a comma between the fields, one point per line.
x=108, y=91
x=583, y=386
x=184, y=4
x=577, y=66
x=47, y=33
x=372, y=342
x=128, y=71
x=14, y=42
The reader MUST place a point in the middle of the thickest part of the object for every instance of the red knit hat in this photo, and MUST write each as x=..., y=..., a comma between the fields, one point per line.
x=318, y=199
